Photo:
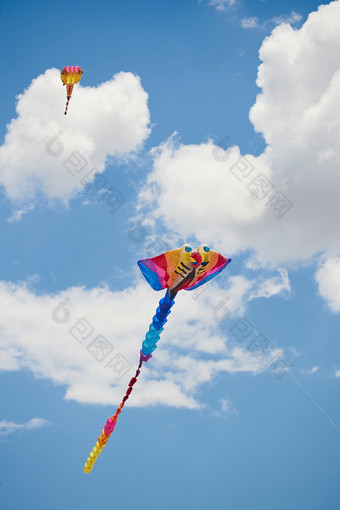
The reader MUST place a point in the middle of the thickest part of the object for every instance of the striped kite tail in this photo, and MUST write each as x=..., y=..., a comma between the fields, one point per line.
x=111, y=422
x=148, y=346
x=69, y=90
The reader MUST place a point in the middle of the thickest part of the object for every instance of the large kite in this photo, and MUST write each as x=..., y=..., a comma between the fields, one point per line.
x=174, y=270
x=69, y=76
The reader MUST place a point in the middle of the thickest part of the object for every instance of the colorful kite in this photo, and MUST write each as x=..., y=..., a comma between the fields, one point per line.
x=69, y=76
x=174, y=270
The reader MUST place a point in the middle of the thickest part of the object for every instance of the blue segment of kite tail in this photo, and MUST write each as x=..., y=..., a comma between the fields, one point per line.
x=156, y=327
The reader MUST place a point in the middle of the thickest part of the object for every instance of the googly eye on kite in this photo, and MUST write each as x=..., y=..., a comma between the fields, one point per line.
x=186, y=248
x=203, y=248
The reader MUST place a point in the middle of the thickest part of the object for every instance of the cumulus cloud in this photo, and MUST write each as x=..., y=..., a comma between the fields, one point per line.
x=86, y=340
x=283, y=204
x=8, y=427
x=211, y=202
x=47, y=153
x=328, y=279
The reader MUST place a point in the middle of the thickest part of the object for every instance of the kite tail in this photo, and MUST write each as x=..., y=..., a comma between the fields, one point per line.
x=67, y=102
x=69, y=90
x=111, y=422
x=148, y=346
x=158, y=321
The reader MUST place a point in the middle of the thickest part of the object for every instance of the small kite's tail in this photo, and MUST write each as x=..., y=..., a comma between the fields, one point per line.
x=149, y=345
x=69, y=90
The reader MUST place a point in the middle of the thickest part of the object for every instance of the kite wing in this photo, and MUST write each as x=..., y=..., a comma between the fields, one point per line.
x=215, y=265
x=160, y=271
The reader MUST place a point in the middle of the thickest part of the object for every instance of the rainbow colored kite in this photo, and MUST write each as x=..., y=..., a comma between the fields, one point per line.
x=174, y=270
x=69, y=76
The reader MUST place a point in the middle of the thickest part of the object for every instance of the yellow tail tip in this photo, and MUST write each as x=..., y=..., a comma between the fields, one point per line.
x=87, y=469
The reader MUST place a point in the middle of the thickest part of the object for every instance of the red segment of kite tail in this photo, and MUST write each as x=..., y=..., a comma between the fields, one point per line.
x=69, y=94
x=111, y=422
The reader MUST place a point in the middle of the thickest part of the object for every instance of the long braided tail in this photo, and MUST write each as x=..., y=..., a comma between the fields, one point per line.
x=111, y=422
x=148, y=346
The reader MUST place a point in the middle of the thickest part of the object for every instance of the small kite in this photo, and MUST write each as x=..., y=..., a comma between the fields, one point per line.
x=69, y=76
x=174, y=270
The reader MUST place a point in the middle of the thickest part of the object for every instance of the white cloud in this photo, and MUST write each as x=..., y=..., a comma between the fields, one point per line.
x=194, y=190
x=17, y=214
x=312, y=370
x=272, y=286
x=294, y=352
x=218, y=207
x=254, y=22
x=222, y=5
x=227, y=406
x=8, y=427
x=328, y=279
x=64, y=338
x=291, y=18
x=109, y=120
x=337, y=373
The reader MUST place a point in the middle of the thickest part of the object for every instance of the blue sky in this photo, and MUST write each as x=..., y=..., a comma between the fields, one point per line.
x=172, y=101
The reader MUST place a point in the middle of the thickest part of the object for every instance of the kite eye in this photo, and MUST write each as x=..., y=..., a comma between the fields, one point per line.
x=203, y=248
x=186, y=248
